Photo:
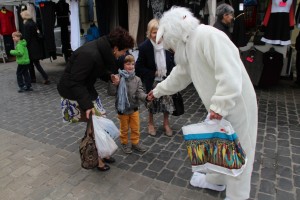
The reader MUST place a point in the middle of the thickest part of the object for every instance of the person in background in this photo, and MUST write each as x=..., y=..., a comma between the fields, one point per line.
x=93, y=60
x=23, y=61
x=129, y=93
x=207, y=58
x=297, y=46
x=30, y=34
x=153, y=65
x=225, y=16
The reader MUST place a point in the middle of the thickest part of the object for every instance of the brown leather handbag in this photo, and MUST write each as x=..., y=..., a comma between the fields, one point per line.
x=88, y=151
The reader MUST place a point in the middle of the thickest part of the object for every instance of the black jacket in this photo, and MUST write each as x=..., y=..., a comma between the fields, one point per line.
x=89, y=62
x=222, y=27
x=34, y=44
x=145, y=65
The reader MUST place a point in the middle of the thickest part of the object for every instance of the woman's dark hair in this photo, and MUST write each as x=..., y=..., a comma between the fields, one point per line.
x=120, y=38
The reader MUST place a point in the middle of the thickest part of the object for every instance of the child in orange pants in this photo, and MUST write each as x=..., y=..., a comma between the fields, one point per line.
x=129, y=93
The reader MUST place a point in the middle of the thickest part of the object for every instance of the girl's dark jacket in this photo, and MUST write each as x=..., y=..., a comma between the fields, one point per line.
x=34, y=44
x=91, y=61
x=145, y=66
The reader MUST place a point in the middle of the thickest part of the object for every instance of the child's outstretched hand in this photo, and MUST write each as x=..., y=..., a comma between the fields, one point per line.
x=150, y=96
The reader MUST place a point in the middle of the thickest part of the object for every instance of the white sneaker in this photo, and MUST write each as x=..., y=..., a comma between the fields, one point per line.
x=198, y=180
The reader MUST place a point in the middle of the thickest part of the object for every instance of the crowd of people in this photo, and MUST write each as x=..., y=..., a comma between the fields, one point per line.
x=178, y=51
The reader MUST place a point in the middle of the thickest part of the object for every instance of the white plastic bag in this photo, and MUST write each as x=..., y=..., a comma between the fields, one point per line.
x=106, y=146
x=108, y=126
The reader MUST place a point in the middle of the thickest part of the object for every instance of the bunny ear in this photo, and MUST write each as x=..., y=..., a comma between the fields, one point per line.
x=160, y=33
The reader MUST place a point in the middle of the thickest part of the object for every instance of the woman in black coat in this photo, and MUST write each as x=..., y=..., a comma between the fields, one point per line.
x=93, y=60
x=34, y=45
x=153, y=65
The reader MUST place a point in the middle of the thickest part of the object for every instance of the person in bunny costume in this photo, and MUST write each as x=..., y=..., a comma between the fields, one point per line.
x=207, y=58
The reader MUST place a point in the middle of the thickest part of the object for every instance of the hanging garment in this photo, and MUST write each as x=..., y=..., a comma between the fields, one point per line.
x=239, y=37
x=62, y=13
x=90, y=4
x=134, y=13
x=65, y=41
x=297, y=18
x=114, y=15
x=16, y=18
x=47, y=10
x=157, y=8
x=146, y=15
x=297, y=45
x=253, y=61
x=75, y=26
x=196, y=7
x=273, y=63
x=8, y=43
x=7, y=22
x=211, y=7
x=103, y=16
x=124, y=13
x=279, y=21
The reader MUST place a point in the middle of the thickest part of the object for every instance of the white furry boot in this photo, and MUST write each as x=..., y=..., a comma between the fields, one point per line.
x=198, y=180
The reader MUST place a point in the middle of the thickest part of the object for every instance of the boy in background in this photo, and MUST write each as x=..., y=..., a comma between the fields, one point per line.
x=22, y=58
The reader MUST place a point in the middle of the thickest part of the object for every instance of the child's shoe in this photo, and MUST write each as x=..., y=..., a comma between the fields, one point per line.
x=22, y=89
x=139, y=147
x=28, y=89
x=126, y=149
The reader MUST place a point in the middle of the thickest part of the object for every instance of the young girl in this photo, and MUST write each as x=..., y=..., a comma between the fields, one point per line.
x=153, y=65
x=129, y=92
x=23, y=61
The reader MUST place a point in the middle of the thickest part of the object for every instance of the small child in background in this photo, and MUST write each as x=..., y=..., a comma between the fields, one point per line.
x=22, y=58
x=129, y=93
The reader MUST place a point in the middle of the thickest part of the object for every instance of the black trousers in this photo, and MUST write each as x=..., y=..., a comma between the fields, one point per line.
x=23, y=77
x=298, y=67
x=38, y=66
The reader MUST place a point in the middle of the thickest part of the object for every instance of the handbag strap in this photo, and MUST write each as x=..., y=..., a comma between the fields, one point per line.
x=90, y=127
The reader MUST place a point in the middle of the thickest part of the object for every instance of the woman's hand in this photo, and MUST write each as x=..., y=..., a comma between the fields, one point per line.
x=115, y=79
x=89, y=111
x=214, y=115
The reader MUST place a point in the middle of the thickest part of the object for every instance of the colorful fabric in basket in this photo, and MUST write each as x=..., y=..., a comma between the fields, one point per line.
x=214, y=147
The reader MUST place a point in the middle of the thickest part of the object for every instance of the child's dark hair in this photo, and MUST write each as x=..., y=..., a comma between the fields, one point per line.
x=128, y=58
x=120, y=38
x=17, y=34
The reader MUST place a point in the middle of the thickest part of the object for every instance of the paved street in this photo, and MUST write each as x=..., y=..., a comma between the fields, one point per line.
x=39, y=154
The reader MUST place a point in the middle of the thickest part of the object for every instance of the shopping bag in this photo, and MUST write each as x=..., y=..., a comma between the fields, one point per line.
x=88, y=150
x=108, y=125
x=106, y=146
x=213, y=146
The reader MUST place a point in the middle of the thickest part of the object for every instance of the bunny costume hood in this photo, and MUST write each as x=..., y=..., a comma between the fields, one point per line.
x=207, y=58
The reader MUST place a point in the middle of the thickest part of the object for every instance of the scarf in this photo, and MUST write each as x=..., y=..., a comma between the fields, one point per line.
x=160, y=60
x=123, y=102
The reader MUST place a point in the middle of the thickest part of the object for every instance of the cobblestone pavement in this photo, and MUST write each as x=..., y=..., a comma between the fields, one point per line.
x=39, y=154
